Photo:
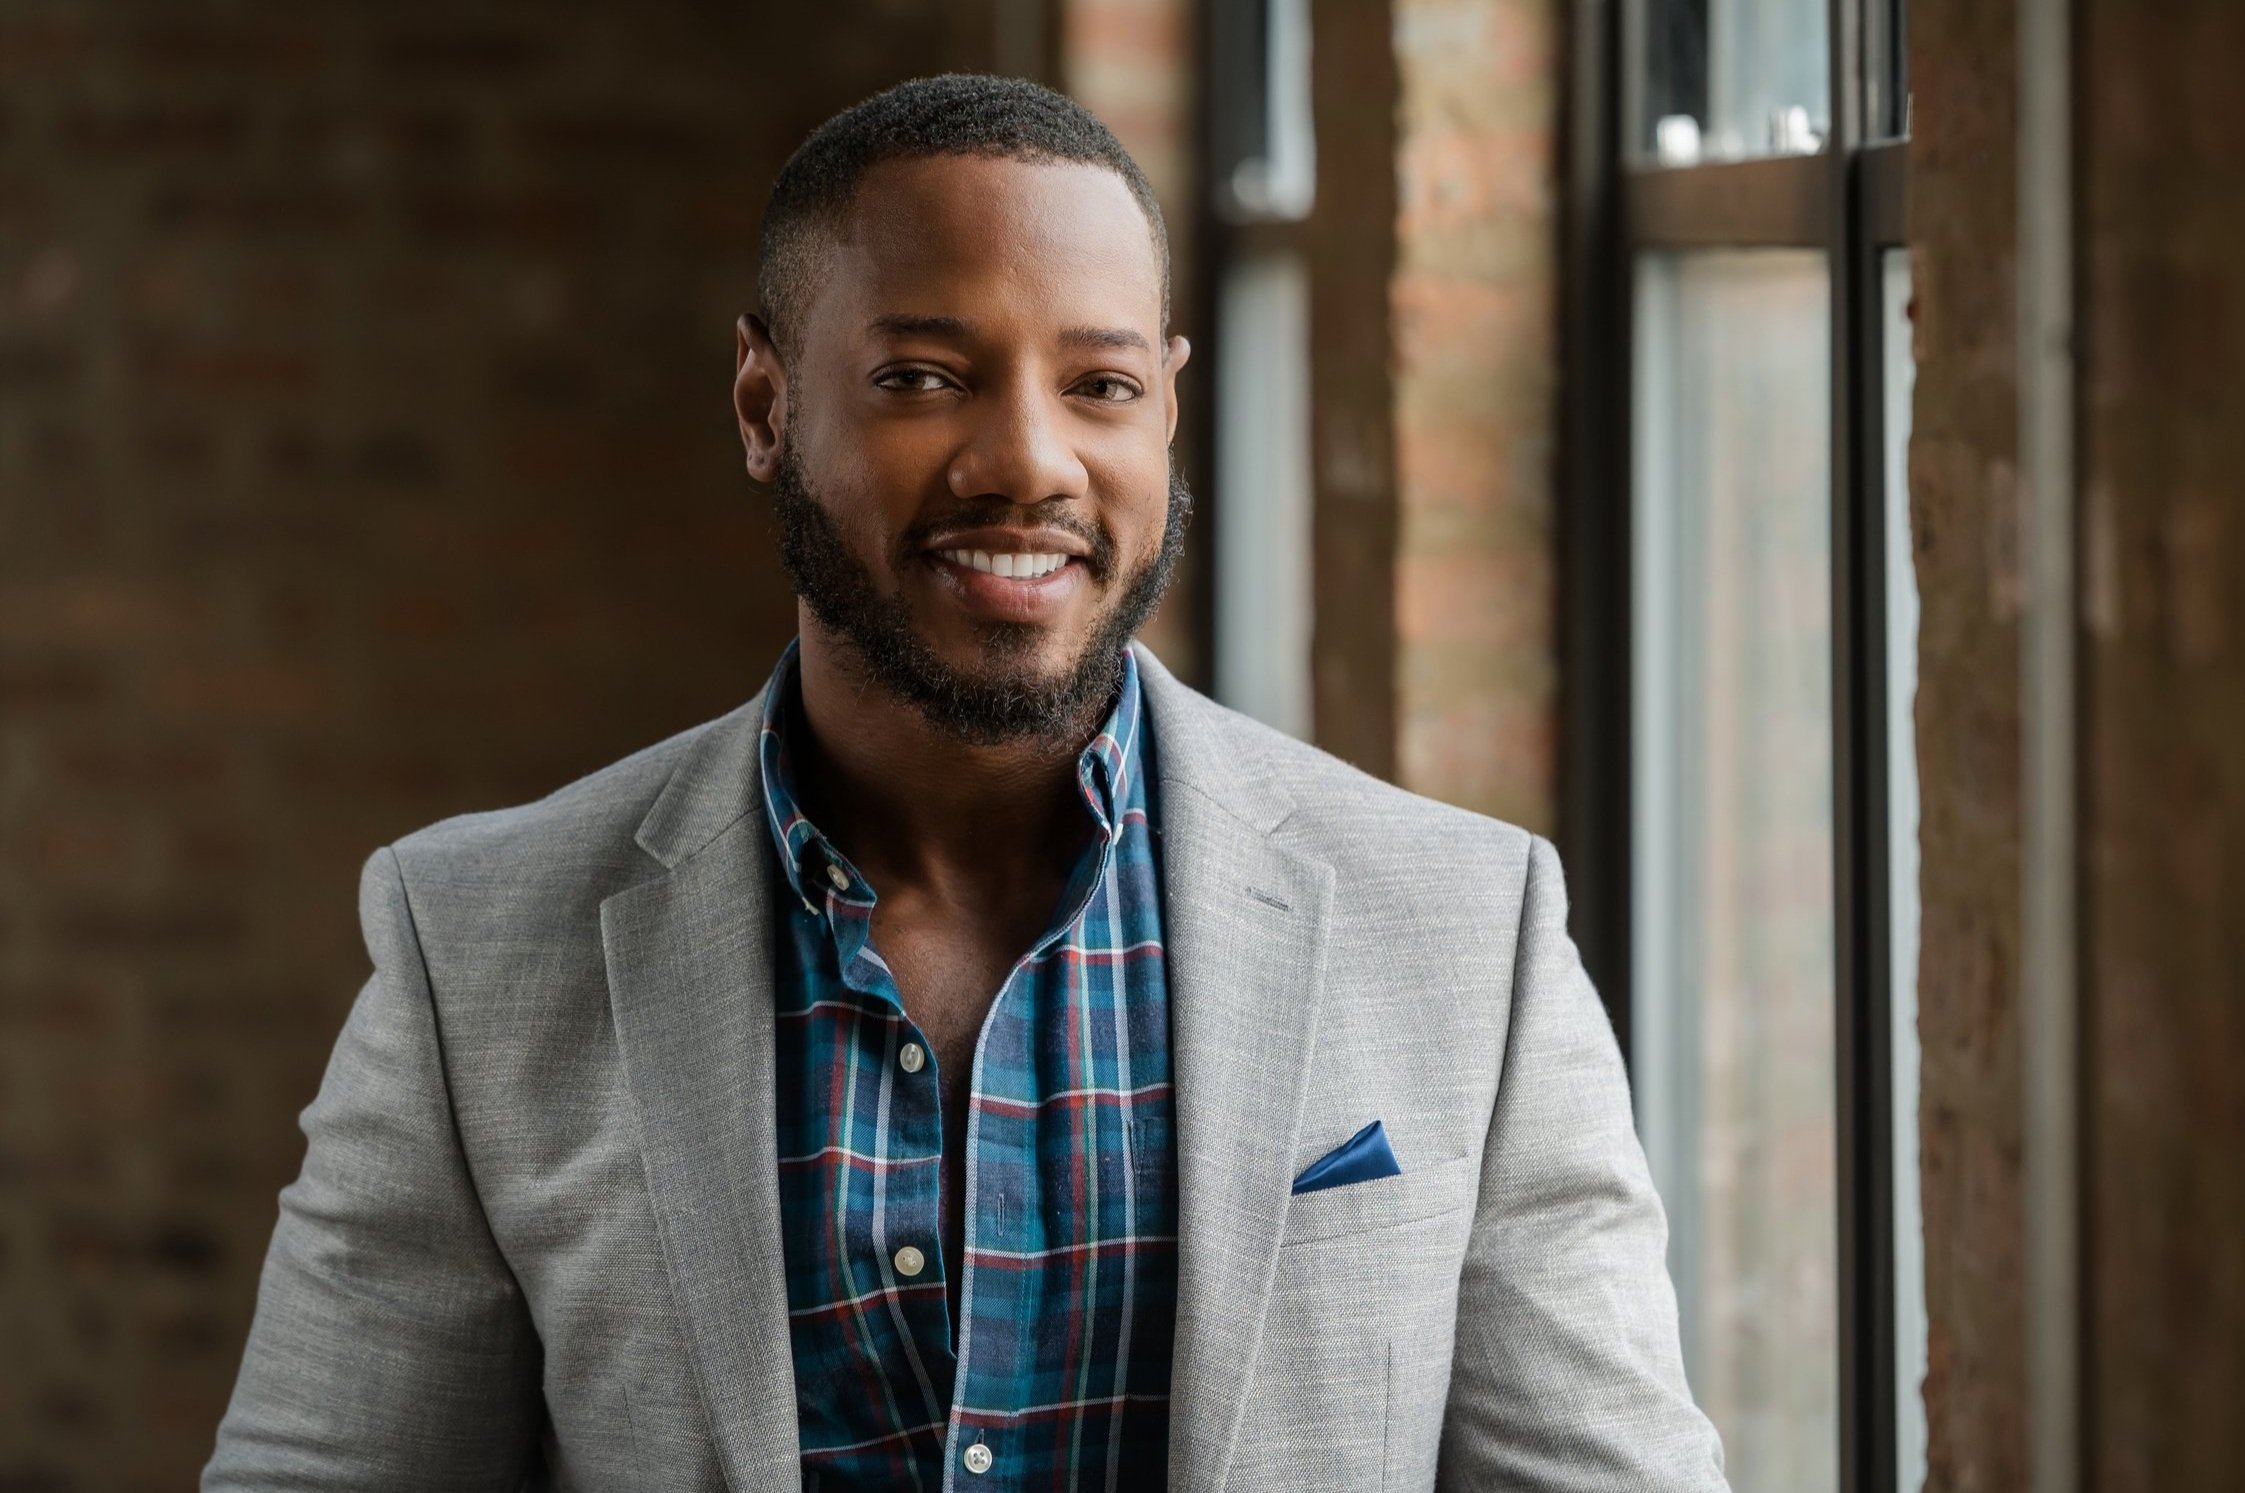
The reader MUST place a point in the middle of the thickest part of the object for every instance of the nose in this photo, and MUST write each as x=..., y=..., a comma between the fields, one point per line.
x=1017, y=448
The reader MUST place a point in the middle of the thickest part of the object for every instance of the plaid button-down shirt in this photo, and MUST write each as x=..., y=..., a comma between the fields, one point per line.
x=1060, y=1378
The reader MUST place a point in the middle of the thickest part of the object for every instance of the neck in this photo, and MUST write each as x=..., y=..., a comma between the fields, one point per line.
x=910, y=803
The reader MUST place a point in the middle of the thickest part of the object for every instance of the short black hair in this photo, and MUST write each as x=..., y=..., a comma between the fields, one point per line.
x=954, y=114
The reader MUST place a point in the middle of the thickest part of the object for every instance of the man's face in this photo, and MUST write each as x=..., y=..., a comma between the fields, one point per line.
x=970, y=450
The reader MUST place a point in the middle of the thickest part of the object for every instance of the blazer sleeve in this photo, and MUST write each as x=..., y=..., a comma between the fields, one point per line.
x=391, y=1348
x=1567, y=1372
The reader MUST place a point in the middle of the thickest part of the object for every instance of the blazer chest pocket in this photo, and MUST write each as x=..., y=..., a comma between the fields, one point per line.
x=1422, y=1192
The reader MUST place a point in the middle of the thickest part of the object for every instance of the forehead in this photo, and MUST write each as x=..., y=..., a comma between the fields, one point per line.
x=996, y=239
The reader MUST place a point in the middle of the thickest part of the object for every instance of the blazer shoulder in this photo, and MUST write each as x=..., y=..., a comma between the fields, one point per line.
x=584, y=830
x=1341, y=812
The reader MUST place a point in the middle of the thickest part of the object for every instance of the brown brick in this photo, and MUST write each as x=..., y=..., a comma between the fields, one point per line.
x=538, y=219
x=43, y=46
x=627, y=136
x=27, y=365
x=35, y=1475
x=2162, y=302
x=160, y=131
x=217, y=49
x=179, y=770
x=31, y=1010
x=123, y=931
x=1963, y=450
x=33, y=682
x=487, y=55
x=254, y=210
x=180, y=452
x=224, y=369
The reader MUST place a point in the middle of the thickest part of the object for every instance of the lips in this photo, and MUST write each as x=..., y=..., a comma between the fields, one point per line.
x=1027, y=580
x=995, y=540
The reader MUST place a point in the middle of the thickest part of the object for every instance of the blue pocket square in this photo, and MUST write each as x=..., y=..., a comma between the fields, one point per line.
x=1362, y=1157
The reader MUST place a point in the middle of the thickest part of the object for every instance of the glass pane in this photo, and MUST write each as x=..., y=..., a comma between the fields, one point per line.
x=1732, y=948
x=1263, y=488
x=1902, y=871
x=1725, y=80
x=1886, y=62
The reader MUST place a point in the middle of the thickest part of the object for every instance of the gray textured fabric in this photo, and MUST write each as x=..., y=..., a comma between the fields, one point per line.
x=535, y=1241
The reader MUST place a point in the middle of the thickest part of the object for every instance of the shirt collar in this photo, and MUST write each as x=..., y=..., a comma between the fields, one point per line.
x=1107, y=775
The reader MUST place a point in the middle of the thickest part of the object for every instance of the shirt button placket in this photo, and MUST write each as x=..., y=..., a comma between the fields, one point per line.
x=977, y=1458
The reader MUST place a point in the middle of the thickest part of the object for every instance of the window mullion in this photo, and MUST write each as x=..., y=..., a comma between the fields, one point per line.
x=1862, y=1056
x=1775, y=202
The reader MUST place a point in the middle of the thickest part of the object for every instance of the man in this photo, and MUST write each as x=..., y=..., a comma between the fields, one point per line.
x=979, y=1061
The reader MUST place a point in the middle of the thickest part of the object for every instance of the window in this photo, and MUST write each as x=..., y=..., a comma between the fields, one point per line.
x=1742, y=815
x=1261, y=172
x=1732, y=969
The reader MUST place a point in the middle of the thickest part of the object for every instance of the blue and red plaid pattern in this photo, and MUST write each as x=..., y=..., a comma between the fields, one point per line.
x=1068, y=1304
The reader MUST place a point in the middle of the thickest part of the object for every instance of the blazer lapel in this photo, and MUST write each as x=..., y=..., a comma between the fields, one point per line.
x=1244, y=920
x=690, y=981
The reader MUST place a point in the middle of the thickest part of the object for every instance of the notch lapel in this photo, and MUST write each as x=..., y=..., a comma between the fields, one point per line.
x=1245, y=923
x=690, y=982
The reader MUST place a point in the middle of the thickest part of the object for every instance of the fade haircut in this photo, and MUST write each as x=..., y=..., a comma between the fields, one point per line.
x=955, y=114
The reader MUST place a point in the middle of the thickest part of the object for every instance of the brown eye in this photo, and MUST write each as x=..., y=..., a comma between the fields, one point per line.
x=911, y=380
x=1109, y=390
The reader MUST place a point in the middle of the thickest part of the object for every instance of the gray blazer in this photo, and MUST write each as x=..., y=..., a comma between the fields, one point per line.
x=536, y=1238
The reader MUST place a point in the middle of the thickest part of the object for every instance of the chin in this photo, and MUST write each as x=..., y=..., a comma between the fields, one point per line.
x=1034, y=661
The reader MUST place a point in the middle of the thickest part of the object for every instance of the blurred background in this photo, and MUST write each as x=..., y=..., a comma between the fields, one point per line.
x=1787, y=450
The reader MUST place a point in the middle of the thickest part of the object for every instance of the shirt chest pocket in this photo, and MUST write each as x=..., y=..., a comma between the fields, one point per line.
x=1153, y=1154
x=1419, y=1193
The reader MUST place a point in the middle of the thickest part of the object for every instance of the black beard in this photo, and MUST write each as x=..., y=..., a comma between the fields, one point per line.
x=1003, y=701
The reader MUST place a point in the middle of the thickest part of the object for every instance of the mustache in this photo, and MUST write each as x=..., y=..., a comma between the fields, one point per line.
x=997, y=512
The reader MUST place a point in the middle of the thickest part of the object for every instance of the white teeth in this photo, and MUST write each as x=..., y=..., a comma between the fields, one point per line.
x=1008, y=564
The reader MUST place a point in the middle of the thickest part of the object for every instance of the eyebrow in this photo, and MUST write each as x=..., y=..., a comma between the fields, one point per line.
x=955, y=328
x=920, y=326
x=1114, y=337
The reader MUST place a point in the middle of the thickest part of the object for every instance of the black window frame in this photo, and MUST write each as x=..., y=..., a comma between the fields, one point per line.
x=1851, y=201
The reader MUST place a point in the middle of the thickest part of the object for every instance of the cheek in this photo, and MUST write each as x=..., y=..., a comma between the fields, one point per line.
x=869, y=497
x=1136, y=499
x=899, y=458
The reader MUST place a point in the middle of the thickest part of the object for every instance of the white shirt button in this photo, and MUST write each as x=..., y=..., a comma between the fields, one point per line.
x=912, y=1058
x=839, y=877
x=910, y=1261
x=977, y=1458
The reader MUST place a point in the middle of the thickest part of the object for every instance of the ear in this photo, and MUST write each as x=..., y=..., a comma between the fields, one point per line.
x=1173, y=358
x=759, y=396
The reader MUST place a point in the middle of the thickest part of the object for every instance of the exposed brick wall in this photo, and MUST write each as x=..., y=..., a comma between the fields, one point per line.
x=2161, y=189
x=2160, y=130
x=365, y=456
x=1475, y=307
x=1351, y=244
x=1434, y=317
x=1964, y=523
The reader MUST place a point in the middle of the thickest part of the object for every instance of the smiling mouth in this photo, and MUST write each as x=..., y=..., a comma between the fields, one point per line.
x=1013, y=566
